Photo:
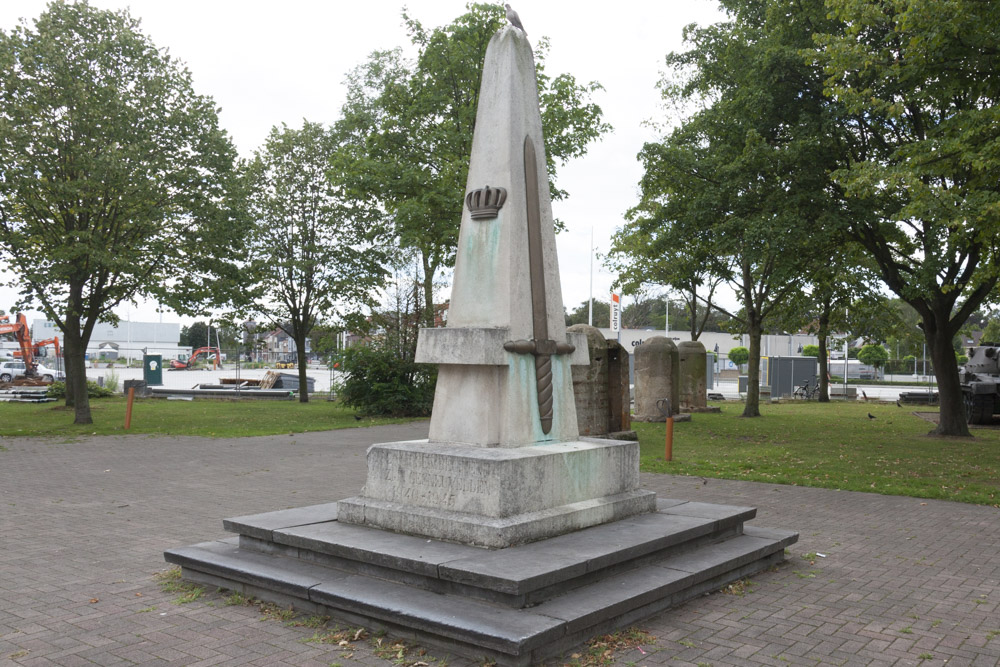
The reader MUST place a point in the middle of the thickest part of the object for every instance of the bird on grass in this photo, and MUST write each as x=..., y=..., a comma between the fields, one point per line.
x=871, y=416
x=514, y=19
x=898, y=404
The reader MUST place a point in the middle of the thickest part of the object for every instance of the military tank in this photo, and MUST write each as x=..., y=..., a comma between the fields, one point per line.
x=980, y=378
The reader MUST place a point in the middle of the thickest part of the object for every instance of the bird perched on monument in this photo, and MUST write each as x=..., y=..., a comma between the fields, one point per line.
x=514, y=19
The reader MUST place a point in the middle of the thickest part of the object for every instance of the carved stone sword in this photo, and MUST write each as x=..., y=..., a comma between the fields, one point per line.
x=541, y=345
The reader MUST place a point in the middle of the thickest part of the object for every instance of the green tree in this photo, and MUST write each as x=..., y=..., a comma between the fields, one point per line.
x=309, y=258
x=642, y=260
x=115, y=176
x=873, y=355
x=407, y=133
x=326, y=340
x=739, y=355
x=744, y=181
x=381, y=375
x=644, y=314
x=581, y=314
x=194, y=335
x=916, y=83
x=810, y=351
x=992, y=332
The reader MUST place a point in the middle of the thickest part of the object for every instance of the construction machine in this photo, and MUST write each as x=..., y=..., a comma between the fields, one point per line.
x=188, y=363
x=22, y=335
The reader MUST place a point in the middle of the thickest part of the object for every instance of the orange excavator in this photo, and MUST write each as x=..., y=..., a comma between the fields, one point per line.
x=190, y=361
x=38, y=348
x=22, y=334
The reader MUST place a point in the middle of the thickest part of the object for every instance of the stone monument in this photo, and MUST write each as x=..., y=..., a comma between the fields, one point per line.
x=601, y=388
x=655, y=378
x=504, y=446
x=505, y=534
x=692, y=372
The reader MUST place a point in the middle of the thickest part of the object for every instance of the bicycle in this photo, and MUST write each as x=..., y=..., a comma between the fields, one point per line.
x=805, y=391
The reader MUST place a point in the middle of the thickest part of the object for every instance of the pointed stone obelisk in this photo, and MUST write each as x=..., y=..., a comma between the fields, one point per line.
x=504, y=464
x=505, y=378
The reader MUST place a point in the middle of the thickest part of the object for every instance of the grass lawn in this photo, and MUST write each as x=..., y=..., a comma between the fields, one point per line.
x=204, y=417
x=834, y=446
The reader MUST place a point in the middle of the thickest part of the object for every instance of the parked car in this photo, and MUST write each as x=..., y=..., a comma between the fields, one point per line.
x=11, y=369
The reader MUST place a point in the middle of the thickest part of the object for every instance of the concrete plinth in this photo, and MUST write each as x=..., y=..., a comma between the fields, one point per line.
x=692, y=370
x=498, y=497
x=655, y=378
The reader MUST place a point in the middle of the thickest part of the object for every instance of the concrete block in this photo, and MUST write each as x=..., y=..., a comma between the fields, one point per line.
x=226, y=560
x=711, y=511
x=481, y=346
x=497, y=483
x=261, y=525
x=407, y=553
x=512, y=631
x=497, y=533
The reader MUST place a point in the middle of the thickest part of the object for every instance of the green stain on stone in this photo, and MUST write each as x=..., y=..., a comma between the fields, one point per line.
x=524, y=392
x=481, y=253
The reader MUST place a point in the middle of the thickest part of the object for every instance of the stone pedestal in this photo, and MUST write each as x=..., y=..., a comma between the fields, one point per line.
x=601, y=389
x=692, y=372
x=655, y=378
x=498, y=497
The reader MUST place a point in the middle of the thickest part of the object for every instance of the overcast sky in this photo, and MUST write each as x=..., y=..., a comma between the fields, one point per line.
x=266, y=63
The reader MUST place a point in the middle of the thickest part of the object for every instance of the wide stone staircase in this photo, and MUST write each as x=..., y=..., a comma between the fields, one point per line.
x=516, y=606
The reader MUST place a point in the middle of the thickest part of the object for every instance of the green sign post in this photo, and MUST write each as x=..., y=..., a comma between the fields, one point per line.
x=152, y=369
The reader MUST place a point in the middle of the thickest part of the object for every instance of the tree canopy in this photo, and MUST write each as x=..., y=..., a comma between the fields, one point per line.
x=742, y=184
x=916, y=84
x=309, y=257
x=115, y=175
x=407, y=129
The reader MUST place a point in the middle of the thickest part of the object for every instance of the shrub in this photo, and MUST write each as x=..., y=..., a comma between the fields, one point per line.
x=810, y=351
x=873, y=355
x=378, y=382
x=94, y=390
x=111, y=381
x=739, y=355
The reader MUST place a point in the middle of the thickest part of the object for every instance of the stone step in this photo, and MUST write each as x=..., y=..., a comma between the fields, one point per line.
x=475, y=627
x=517, y=576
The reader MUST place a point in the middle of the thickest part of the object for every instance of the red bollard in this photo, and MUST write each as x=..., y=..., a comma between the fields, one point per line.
x=128, y=408
x=663, y=405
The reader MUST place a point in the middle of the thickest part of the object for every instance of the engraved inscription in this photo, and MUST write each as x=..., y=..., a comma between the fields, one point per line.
x=427, y=486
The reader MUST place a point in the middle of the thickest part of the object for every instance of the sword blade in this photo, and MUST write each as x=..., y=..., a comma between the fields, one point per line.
x=536, y=271
x=536, y=264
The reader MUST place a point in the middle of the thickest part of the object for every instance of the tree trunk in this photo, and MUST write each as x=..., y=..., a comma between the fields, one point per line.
x=692, y=306
x=428, y=286
x=824, y=369
x=752, y=406
x=76, y=371
x=952, y=417
x=70, y=400
x=300, y=346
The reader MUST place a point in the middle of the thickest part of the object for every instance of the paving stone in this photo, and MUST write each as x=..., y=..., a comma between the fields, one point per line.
x=931, y=558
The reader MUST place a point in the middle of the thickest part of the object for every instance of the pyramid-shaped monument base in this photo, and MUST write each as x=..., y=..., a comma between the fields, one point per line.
x=515, y=606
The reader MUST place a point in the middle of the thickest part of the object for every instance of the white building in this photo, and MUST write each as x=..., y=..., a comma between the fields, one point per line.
x=128, y=340
x=771, y=345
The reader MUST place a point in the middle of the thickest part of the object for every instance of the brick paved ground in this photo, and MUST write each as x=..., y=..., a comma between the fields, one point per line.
x=83, y=526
